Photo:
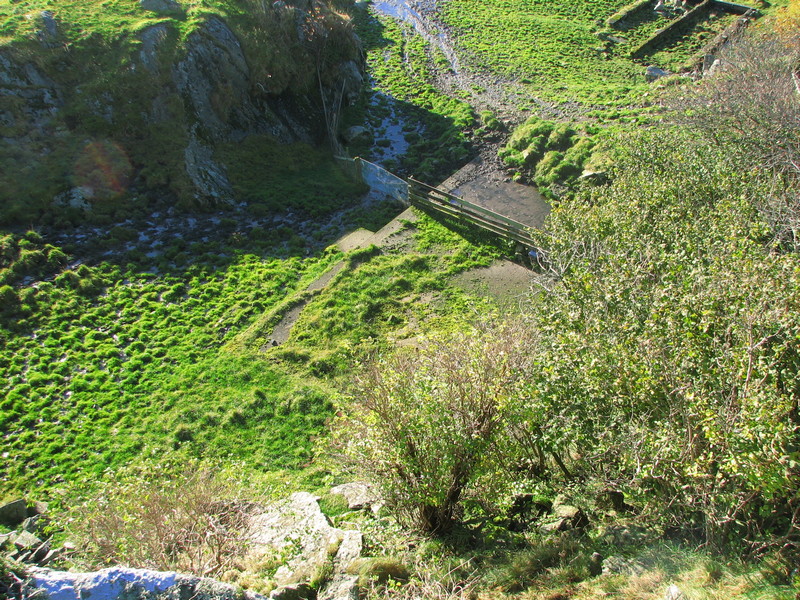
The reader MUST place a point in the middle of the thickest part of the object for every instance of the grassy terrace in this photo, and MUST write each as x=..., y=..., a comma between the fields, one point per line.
x=104, y=364
x=549, y=46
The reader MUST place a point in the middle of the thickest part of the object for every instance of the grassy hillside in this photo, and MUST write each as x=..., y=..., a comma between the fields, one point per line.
x=98, y=113
x=658, y=356
x=550, y=47
x=101, y=365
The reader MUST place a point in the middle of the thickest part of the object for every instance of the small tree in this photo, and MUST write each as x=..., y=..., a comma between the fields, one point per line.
x=424, y=420
x=159, y=516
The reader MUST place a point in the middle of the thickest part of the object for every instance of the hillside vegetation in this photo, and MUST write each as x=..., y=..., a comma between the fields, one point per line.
x=109, y=106
x=631, y=423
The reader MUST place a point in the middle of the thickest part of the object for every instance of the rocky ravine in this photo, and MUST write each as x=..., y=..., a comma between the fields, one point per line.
x=156, y=118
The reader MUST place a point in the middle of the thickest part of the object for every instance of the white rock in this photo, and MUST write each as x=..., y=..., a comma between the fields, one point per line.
x=674, y=593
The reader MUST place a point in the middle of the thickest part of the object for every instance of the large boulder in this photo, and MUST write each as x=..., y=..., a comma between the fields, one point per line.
x=653, y=73
x=298, y=529
x=120, y=583
x=13, y=513
x=359, y=494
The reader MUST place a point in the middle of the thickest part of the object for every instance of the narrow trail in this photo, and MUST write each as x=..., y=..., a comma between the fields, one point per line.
x=483, y=181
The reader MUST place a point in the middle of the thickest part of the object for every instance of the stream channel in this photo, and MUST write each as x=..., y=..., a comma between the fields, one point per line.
x=484, y=180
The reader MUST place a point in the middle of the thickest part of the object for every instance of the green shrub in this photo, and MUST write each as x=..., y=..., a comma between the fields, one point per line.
x=424, y=422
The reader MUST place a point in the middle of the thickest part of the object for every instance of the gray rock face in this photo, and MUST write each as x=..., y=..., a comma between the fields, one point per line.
x=25, y=540
x=352, y=81
x=121, y=583
x=715, y=67
x=565, y=517
x=48, y=35
x=39, y=97
x=152, y=39
x=295, y=528
x=622, y=565
x=298, y=591
x=652, y=73
x=209, y=178
x=77, y=197
x=13, y=513
x=215, y=68
x=215, y=82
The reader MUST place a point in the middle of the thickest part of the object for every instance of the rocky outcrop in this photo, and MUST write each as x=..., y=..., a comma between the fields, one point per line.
x=314, y=551
x=120, y=583
x=359, y=495
x=30, y=99
x=168, y=106
x=316, y=562
x=214, y=80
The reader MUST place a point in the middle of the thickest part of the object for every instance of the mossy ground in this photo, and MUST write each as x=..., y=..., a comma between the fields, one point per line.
x=140, y=356
x=103, y=364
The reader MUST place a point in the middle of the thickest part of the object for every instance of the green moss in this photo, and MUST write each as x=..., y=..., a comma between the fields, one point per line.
x=297, y=177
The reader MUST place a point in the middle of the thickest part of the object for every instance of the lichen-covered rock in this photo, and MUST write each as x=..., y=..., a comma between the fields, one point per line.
x=343, y=584
x=358, y=494
x=298, y=528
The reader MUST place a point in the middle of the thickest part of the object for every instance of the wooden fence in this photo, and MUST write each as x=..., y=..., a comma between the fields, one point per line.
x=428, y=197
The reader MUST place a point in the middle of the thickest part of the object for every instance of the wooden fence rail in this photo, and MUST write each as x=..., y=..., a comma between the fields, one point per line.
x=428, y=197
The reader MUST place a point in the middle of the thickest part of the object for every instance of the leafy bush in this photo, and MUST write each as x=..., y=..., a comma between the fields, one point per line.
x=426, y=420
x=750, y=106
x=666, y=352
